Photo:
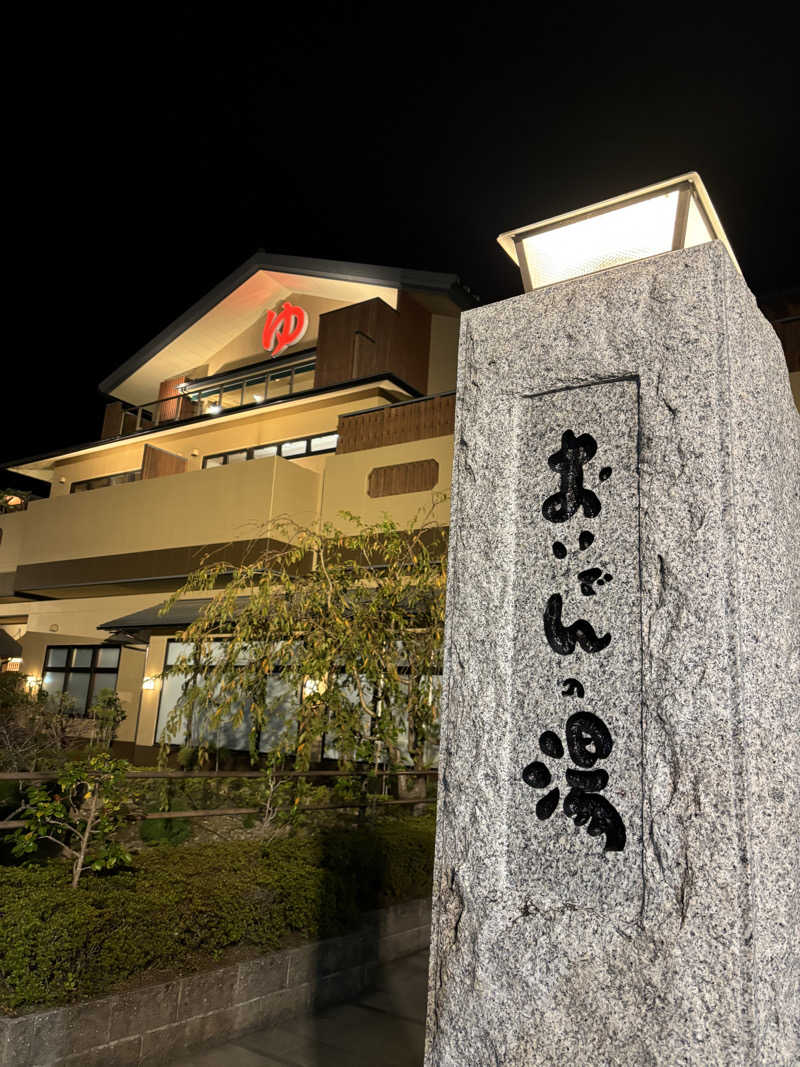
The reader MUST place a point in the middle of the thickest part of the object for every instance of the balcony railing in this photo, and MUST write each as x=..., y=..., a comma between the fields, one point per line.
x=249, y=387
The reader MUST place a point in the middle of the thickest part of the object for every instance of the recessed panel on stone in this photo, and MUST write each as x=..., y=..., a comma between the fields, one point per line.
x=574, y=731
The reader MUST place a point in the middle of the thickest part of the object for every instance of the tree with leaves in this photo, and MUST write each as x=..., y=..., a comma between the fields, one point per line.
x=326, y=632
x=81, y=817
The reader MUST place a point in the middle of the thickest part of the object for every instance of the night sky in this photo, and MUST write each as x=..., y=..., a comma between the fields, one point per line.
x=151, y=157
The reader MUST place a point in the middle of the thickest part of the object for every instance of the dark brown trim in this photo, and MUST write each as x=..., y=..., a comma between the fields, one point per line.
x=165, y=565
x=397, y=424
x=415, y=477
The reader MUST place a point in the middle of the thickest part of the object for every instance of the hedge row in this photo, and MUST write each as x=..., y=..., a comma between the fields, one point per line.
x=177, y=908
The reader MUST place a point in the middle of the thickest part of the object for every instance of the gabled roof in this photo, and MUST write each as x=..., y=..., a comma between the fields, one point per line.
x=445, y=286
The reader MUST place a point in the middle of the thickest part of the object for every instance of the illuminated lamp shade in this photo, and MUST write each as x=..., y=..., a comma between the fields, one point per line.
x=660, y=218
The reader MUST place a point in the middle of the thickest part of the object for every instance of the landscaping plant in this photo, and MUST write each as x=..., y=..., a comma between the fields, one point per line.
x=327, y=632
x=81, y=817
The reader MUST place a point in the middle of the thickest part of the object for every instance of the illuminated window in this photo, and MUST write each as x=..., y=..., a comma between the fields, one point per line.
x=294, y=448
x=107, y=480
x=228, y=736
x=326, y=443
x=263, y=451
x=300, y=446
x=80, y=672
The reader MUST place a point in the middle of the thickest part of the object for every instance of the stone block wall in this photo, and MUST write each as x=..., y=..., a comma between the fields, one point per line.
x=158, y=1022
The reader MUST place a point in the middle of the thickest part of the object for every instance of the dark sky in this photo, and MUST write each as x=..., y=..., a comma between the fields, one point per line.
x=152, y=153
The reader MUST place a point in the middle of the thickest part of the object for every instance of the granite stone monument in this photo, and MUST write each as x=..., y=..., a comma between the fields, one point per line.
x=618, y=857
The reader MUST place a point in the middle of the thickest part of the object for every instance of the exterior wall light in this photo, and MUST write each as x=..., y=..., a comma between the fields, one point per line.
x=214, y=409
x=149, y=683
x=673, y=214
x=32, y=683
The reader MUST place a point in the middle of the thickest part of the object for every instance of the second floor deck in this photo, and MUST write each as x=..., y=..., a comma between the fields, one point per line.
x=146, y=530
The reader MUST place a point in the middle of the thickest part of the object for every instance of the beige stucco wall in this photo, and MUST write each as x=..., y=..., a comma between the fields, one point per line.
x=248, y=348
x=345, y=483
x=204, y=507
x=75, y=622
x=148, y=709
x=443, y=354
x=117, y=460
x=14, y=527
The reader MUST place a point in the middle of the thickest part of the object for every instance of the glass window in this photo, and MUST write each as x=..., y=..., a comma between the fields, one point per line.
x=103, y=680
x=214, y=461
x=78, y=688
x=255, y=389
x=294, y=448
x=106, y=480
x=81, y=657
x=280, y=383
x=80, y=671
x=232, y=396
x=325, y=443
x=280, y=699
x=303, y=377
x=237, y=457
x=265, y=450
x=53, y=682
x=210, y=402
x=228, y=736
x=108, y=657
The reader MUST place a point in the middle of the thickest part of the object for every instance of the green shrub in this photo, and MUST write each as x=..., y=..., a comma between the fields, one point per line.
x=180, y=908
x=165, y=831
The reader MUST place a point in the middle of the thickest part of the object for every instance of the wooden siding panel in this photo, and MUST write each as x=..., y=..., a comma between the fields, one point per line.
x=156, y=463
x=112, y=421
x=397, y=423
x=371, y=338
x=411, y=342
x=171, y=406
x=416, y=477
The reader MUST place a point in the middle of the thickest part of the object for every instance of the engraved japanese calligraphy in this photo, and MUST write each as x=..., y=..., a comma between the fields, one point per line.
x=574, y=754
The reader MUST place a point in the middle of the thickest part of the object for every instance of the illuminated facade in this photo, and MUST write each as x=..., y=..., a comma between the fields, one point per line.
x=296, y=388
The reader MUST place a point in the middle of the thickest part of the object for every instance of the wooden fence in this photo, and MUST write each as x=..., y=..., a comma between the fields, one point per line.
x=362, y=804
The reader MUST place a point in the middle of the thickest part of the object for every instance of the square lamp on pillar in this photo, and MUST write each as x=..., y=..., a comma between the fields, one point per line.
x=670, y=215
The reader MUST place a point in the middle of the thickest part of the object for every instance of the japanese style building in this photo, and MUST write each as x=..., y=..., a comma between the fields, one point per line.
x=296, y=388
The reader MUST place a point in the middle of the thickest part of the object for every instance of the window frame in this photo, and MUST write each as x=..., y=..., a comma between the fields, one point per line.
x=93, y=671
x=126, y=476
x=223, y=456
x=276, y=672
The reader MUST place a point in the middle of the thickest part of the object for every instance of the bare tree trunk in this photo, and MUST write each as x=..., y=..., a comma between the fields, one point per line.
x=77, y=867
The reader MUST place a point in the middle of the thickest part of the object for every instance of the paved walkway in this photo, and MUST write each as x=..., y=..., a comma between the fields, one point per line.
x=383, y=1028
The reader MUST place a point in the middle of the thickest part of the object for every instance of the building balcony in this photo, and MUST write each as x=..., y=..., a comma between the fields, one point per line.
x=149, y=534
x=247, y=387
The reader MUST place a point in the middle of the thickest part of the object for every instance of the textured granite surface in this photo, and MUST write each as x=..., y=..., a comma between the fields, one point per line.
x=551, y=945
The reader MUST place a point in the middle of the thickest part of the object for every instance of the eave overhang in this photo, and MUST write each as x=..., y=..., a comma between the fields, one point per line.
x=364, y=278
